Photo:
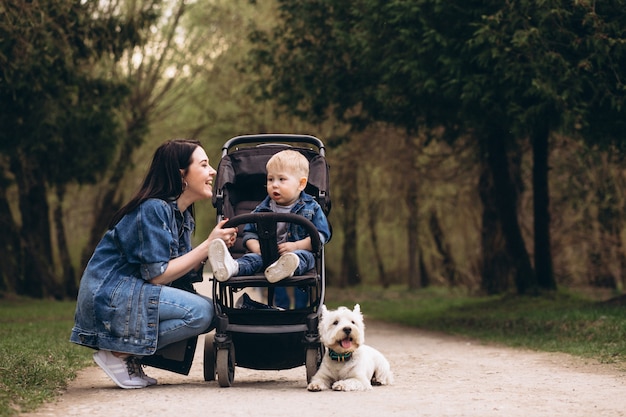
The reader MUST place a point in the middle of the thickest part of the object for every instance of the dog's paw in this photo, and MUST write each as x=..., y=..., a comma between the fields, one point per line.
x=349, y=385
x=339, y=386
x=313, y=387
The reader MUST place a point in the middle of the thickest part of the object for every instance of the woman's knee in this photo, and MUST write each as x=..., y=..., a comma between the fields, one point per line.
x=202, y=313
x=193, y=310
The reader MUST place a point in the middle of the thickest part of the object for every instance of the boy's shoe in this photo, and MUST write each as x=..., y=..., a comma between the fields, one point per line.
x=138, y=367
x=222, y=263
x=121, y=371
x=283, y=268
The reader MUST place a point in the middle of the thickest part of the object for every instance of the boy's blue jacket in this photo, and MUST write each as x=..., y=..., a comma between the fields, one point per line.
x=307, y=207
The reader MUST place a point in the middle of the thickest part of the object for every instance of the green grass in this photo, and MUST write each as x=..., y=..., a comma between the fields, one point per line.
x=37, y=360
x=557, y=322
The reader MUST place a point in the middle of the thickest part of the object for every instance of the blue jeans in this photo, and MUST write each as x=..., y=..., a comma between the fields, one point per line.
x=251, y=263
x=182, y=315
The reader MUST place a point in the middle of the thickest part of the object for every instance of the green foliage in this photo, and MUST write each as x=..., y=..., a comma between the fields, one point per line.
x=59, y=119
x=475, y=62
x=500, y=73
x=556, y=61
x=56, y=109
x=310, y=60
x=37, y=359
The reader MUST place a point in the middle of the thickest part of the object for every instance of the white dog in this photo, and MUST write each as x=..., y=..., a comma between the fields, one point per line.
x=348, y=364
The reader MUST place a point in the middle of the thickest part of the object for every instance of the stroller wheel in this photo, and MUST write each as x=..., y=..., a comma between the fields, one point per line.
x=209, y=358
x=313, y=361
x=226, y=366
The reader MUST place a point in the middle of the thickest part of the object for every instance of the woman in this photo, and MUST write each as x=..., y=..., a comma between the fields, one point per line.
x=136, y=294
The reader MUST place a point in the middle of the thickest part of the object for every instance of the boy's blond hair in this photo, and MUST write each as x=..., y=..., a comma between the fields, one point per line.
x=290, y=161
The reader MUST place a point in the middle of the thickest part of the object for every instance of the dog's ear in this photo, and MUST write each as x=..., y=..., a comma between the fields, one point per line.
x=357, y=309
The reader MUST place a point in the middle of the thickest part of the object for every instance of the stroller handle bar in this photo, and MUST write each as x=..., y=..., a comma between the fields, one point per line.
x=274, y=138
x=266, y=225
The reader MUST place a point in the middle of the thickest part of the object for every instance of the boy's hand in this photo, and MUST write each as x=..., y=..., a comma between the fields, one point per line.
x=304, y=244
x=287, y=247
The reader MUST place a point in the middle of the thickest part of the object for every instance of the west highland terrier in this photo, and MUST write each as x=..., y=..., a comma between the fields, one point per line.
x=348, y=364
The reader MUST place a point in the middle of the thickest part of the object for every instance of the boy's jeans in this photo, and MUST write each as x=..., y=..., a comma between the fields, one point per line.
x=251, y=263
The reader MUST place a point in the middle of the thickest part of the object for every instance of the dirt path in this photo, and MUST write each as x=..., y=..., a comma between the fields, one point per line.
x=435, y=376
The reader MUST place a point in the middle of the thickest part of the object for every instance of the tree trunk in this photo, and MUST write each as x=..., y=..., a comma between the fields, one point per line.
x=350, y=272
x=372, y=210
x=541, y=208
x=109, y=200
x=621, y=284
x=105, y=206
x=606, y=252
x=497, y=269
x=600, y=274
x=603, y=271
x=506, y=199
x=35, y=232
x=11, y=278
x=415, y=269
x=448, y=264
x=424, y=279
x=70, y=287
x=413, y=249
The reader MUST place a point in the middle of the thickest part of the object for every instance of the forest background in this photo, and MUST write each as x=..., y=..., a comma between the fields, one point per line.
x=472, y=143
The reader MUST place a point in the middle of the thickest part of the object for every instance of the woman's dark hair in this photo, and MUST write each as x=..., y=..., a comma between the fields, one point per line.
x=163, y=179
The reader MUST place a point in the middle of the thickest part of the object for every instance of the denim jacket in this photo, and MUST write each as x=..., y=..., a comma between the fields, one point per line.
x=307, y=207
x=117, y=306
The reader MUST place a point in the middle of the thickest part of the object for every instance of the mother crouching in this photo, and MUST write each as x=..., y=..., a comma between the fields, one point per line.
x=136, y=294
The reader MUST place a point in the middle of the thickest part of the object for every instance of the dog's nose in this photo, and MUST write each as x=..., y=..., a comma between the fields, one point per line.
x=347, y=330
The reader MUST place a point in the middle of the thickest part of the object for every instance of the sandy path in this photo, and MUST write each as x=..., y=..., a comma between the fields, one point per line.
x=436, y=375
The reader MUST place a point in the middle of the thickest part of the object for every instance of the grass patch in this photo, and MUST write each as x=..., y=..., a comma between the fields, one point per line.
x=37, y=358
x=557, y=322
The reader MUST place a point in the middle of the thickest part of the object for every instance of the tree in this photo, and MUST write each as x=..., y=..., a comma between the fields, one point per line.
x=363, y=62
x=502, y=73
x=51, y=98
x=172, y=78
x=561, y=64
x=143, y=69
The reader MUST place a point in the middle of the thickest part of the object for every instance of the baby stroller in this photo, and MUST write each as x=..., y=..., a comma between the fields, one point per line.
x=250, y=333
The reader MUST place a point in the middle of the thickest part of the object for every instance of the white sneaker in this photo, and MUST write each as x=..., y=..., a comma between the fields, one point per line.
x=283, y=268
x=121, y=371
x=222, y=262
x=138, y=367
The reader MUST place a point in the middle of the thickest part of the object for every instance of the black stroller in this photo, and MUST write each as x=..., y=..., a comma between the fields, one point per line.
x=253, y=334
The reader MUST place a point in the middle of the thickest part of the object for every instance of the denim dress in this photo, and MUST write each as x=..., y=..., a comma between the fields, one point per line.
x=117, y=306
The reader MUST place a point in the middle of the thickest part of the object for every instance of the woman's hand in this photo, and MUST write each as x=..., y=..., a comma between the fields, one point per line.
x=228, y=235
x=195, y=258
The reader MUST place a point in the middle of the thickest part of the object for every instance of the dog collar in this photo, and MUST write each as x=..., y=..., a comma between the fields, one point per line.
x=339, y=357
